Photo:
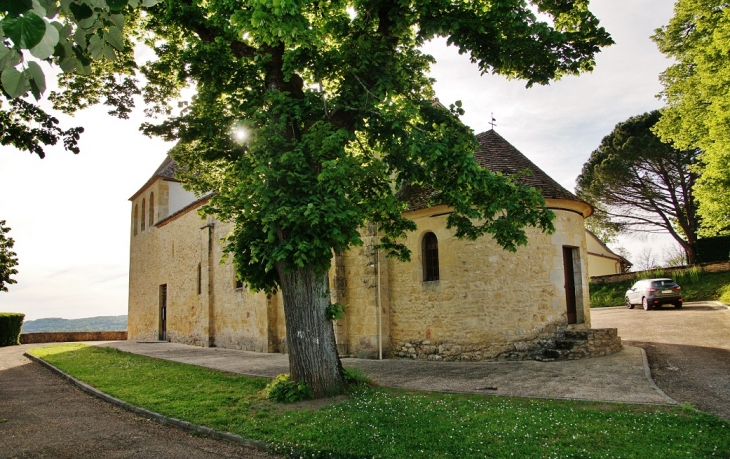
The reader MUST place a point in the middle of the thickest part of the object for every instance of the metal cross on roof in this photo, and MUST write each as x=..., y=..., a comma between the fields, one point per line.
x=494, y=121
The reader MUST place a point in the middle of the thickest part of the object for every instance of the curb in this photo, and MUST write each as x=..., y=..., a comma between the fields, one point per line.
x=184, y=425
x=719, y=303
x=647, y=373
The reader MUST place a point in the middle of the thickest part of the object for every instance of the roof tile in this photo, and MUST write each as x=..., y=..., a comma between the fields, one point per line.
x=497, y=155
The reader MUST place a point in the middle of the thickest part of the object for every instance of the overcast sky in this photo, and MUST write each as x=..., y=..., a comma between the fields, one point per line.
x=70, y=214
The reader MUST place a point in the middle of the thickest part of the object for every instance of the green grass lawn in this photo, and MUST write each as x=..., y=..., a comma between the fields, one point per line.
x=389, y=423
x=697, y=286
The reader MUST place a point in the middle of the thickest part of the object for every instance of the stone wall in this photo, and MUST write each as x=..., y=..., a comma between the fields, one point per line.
x=65, y=337
x=205, y=307
x=365, y=328
x=718, y=267
x=488, y=302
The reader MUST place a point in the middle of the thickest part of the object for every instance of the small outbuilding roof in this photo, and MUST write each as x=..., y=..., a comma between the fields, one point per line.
x=497, y=155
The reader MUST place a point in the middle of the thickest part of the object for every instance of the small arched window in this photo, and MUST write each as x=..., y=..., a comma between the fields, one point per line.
x=135, y=220
x=430, y=257
x=143, y=206
x=152, y=210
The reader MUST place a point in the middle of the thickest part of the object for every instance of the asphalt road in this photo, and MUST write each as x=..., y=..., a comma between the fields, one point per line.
x=688, y=349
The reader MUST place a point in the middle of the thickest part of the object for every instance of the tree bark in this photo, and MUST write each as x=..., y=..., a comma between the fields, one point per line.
x=310, y=335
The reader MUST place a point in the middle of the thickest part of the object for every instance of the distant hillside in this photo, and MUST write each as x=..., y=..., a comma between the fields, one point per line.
x=54, y=324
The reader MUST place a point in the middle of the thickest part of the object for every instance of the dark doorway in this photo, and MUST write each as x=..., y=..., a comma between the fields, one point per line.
x=569, y=270
x=163, y=312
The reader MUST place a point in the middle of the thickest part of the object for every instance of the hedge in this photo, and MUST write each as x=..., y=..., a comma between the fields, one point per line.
x=10, y=325
x=710, y=249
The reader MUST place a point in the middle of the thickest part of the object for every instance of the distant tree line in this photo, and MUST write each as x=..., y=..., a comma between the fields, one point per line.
x=88, y=324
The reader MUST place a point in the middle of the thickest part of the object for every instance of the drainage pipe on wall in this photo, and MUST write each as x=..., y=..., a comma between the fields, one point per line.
x=378, y=302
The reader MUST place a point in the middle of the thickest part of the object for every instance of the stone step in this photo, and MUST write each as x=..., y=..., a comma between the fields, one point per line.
x=578, y=334
x=555, y=354
x=568, y=343
x=583, y=343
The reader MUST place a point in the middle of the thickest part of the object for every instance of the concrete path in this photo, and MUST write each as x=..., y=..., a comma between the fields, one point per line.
x=620, y=377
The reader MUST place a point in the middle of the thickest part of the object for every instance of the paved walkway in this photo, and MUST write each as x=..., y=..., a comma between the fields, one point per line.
x=621, y=377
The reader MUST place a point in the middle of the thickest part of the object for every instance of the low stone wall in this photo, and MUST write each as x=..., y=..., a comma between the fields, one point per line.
x=65, y=337
x=560, y=345
x=719, y=267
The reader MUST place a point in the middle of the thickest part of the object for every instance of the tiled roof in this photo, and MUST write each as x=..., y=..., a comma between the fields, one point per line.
x=166, y=171
x=497, y=155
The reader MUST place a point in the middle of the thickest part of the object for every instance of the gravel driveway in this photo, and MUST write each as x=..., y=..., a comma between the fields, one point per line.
x=688, y=349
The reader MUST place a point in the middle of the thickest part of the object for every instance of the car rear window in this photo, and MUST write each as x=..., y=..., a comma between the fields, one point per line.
x=663, y=283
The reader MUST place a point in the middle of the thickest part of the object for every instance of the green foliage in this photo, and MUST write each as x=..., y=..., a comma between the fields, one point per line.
x=711, y=249
x=10, y=325
x=354, y=377
x=696, y=286
x=69, y=34
x=639, y=183
x=601, y=225
x=8, y=258
x=338, y=104
x=686, y=276
x=335, y=311
x=285, y=390
x=389, y=423
x=88, y=324
x=696, y=115
x=27, y=127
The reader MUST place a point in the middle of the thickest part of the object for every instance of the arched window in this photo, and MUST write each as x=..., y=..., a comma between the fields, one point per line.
x=143, y=206
x=152, y=210
x=135, y=220
x=430, y=257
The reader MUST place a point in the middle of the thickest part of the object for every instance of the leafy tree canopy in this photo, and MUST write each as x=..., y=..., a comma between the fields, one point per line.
x=69, y=34
x=697, y=114
x=641, y=183
x=8, y=258
x=310, y=116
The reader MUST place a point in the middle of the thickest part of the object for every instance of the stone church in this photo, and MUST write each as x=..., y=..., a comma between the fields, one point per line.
x=455, y=300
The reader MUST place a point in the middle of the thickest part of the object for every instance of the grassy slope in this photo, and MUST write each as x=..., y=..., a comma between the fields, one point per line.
x=696, y=287
x=396, y=424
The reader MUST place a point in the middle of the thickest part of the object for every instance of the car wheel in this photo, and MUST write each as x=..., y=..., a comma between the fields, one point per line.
x=677, y=305
x=628, y=303
x=646, y=304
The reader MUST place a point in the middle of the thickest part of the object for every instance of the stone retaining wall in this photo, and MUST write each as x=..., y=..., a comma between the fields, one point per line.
x=719, y=267
x=65, y=337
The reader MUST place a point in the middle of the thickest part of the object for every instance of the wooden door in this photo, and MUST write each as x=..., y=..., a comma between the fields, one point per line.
x=163, y=312
x=569, y=283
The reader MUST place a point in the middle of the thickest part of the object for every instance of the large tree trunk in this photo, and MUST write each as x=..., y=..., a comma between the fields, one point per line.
x=310, y=335
x=691, y=251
